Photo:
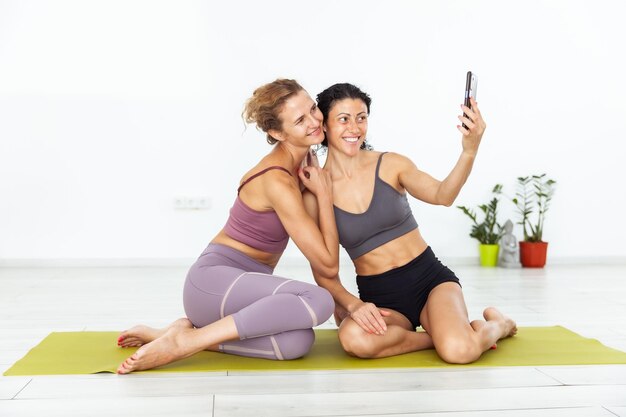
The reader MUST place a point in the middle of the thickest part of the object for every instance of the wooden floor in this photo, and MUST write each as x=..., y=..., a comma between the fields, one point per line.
x=588, y=299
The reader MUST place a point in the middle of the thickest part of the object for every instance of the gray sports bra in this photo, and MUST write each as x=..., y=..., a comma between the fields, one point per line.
x=387, y=217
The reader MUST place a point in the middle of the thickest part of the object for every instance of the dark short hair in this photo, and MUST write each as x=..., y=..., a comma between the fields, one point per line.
x=327, y=99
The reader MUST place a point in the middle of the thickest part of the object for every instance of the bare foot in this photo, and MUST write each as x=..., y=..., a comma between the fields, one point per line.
x=479, y=324
x=140, y=335
x=509, y=327
x=161, y=351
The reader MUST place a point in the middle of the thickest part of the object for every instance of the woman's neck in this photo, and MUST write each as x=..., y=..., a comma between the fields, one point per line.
x=290, y=155
x=341, y=165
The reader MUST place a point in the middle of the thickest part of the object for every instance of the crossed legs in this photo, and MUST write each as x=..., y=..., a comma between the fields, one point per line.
x=255, y=314
x=399, y=338
x=447, y=329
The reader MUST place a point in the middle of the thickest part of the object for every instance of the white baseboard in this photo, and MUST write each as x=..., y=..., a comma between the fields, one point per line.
x=96, y=263
x=286, y=261
x=570, y=260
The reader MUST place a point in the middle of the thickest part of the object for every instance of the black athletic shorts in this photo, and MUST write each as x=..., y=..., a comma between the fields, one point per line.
x=405, y=289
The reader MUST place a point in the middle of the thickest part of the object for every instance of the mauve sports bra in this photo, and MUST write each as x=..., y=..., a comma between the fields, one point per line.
x=261, y=230
x=388, y=216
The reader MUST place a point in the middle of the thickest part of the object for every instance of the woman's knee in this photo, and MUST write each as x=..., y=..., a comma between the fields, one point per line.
x=458, y=350
x=294, y=344
x=322, y=304
x=356, y=342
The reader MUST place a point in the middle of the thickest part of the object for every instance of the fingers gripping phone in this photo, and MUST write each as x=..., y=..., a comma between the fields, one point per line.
x=471, y=82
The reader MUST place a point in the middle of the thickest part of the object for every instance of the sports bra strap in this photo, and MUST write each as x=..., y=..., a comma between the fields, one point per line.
x=380, y=158
x=261, y=173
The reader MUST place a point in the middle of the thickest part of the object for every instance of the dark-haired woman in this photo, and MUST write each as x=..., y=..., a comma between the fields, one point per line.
x=234, y=303
x=402, y=285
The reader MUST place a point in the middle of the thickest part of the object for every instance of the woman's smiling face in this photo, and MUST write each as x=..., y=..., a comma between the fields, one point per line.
x=301, y=121
x=346, y=126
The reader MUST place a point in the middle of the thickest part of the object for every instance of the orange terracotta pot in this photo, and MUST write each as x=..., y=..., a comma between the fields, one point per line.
x=533, y=254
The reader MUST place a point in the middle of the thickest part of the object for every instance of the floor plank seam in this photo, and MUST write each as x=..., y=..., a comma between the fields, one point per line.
x=610, y=411
x=550, y=376
x=22, y=389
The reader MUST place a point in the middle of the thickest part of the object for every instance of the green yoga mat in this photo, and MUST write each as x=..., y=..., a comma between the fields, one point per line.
x=93, y=352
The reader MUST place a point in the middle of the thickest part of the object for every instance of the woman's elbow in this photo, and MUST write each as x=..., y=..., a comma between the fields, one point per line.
x=328, y=271
x=332, y=271
x=446, y=200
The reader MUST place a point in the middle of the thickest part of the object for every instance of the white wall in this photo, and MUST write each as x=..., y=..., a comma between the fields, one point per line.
x=110, y=109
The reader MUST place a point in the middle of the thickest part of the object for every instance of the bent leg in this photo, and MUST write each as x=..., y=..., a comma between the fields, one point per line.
x=261, y=304
x=399, y=338
x=457, y=340
x=264, y=305
x=288, y=345
x=278, y=312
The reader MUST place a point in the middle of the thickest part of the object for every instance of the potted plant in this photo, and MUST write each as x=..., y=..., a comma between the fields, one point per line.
x=532, y=201
x=488, y=231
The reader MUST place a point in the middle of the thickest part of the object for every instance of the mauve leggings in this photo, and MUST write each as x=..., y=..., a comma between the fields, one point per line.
x=274, y=316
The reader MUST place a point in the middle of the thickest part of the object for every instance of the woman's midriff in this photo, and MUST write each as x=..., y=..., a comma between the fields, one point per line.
x=266, y=258
x=393, y=254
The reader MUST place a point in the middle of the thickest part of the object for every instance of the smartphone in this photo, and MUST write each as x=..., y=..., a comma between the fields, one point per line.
x=471, y=82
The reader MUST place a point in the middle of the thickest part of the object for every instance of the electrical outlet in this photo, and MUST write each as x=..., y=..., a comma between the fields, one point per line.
x=192, y=203
x=202, y=203
x=179, y=203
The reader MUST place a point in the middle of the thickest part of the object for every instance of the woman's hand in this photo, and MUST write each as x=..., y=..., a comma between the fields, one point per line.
x=475, y=127
x=370, y=318
x=313, y=177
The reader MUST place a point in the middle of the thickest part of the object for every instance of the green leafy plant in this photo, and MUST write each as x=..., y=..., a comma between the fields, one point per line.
x=533, y=195
x=488, y=231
